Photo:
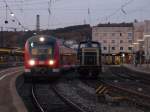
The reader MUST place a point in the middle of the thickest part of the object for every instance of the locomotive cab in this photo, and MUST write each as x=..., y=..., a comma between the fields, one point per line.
x=41, y=56
x=89, y=58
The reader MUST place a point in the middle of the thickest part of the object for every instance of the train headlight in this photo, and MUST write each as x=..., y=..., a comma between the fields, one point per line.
x=51, y=62
x=31, y=62
x=42, y=39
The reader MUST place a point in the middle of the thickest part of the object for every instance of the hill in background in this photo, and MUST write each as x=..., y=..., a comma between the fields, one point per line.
x=18, y=39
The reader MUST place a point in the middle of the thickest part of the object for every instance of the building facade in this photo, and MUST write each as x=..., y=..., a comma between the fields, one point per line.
x=116, y=41
x=146, y=40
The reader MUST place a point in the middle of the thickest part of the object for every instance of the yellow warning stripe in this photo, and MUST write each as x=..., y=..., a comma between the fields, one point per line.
x=102, y=90
x=97, y=90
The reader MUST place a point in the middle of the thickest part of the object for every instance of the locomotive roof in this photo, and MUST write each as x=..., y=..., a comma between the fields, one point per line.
x=85, y=42
x=47, y=37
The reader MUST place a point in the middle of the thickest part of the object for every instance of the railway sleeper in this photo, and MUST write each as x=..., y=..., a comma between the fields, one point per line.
x=109, y=95
x=114, y=96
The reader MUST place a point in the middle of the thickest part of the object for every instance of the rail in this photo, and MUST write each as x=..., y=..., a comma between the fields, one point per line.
x=35, y=100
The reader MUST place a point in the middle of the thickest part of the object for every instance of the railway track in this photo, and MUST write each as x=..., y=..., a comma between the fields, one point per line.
x=131, y=92
x=68, y=94
x=35, y=100
x=130, y=75
x=120, y=85
x=61, y=103
x=129, y=87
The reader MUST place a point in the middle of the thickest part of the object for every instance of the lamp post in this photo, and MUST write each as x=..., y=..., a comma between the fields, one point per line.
x=147, y=53
x=134, y=50
x=123, y=55
x=2, y=37
x=140, y=49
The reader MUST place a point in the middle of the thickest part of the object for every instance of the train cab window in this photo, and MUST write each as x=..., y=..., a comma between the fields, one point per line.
x=49, y=51
x=89, y=45
x=41, y=50
x=94, y=45
x=34, y=51
x=82, y=46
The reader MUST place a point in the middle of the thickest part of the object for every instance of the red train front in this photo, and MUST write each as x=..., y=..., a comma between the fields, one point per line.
x=41, y=56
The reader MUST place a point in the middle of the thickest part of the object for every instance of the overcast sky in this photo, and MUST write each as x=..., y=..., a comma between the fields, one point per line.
x=72, y=12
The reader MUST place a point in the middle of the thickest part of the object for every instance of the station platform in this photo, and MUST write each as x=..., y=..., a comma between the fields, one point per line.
x=10, y=100
x=142, y=68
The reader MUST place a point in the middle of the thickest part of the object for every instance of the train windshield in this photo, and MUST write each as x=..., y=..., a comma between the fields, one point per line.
x=41, y=51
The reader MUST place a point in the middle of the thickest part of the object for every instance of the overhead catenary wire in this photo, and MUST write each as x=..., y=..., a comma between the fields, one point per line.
x=49, y=11
x=10, y=11
x=121, y=8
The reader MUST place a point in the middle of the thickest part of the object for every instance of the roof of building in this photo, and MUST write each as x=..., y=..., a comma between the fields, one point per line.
x=115, y=25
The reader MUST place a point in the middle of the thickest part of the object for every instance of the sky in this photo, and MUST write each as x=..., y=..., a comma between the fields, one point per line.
x=62, y=13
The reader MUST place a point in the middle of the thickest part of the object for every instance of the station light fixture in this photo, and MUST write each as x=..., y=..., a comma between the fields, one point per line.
x=26, y=30
x=34, y=33
x=123, y=55
x=140, y=40
x=12, y=14
x=146, y=35
x=135, y=43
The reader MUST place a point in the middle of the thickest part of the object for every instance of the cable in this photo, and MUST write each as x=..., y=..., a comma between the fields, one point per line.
x=119, y=9
x=19, y=23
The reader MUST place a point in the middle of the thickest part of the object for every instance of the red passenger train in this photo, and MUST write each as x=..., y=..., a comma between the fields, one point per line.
x=41, y=57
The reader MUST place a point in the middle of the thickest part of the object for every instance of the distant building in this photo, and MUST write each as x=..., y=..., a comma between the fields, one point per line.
x=116, y=40
x=147, y=47
x=146, y=39
x=142, y=37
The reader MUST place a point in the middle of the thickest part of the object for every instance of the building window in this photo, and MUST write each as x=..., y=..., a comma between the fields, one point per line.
x=113, y=34
x=121, y=48
x=104, y=41
x=121, y=41
x=120, y=34
x=113, y=41
x=130, y=41
x=105, y=48
x=130, y=35
x=130, y=48
x=113, y=48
